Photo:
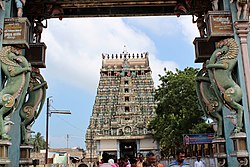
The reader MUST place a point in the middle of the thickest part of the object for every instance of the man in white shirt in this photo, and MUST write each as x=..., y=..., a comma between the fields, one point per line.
x=199, y=163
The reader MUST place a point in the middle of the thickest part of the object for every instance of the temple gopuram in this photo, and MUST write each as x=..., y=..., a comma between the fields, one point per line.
x=123, y=106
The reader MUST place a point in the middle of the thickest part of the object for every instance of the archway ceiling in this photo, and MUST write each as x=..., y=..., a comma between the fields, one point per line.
x=112, y=8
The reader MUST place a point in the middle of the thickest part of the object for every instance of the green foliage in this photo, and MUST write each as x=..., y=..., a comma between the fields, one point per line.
x=38, y=142
x=177, y=112
x=202, y=127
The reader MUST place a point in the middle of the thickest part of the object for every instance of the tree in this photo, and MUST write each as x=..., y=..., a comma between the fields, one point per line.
x=177, y=111
x=38, y=142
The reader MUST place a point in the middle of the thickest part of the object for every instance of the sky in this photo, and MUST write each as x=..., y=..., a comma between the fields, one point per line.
x=73, y=62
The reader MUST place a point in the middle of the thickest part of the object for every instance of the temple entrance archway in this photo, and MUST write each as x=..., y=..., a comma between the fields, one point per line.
x=68, y=9
x=128, y=148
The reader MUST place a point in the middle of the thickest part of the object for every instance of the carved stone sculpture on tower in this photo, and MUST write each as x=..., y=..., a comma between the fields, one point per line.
x=123, y=106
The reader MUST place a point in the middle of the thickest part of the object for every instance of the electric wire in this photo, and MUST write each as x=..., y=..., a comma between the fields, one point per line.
x=67, y=122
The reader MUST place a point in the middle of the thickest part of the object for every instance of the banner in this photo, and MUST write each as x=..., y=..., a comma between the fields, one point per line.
x=198, y=138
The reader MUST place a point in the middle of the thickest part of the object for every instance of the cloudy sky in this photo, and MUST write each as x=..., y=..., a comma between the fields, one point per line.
x=73, y=59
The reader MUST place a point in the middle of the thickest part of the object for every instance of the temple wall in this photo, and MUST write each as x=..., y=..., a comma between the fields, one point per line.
x=148, y=144
x=108, y=145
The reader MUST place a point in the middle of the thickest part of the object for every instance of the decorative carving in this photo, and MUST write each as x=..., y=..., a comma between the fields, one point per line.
x=201, y=25
x=242, y=9
x=182, y=7
x=7, y=124
x=127, y=130
x=209, y=102
x=124, y=102
x=38, y=29
x=220, y=67
x=2, y=5
x=19, y=5
x=32, y=107
x=16, y=70
x=220, y=151
x=55, y=10
x=243, y=161
x=101, y=8
x=221, y=162
x=240, y=148
x=215, y=4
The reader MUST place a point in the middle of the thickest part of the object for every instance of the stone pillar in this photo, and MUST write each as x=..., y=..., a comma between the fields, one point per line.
x=240, y=148
x=228, y=128
x=118, y=149
x=25, y=159
x=220, y=154
x=15, y=134
x=242, y=29
x=4, y=149
x=138, y=145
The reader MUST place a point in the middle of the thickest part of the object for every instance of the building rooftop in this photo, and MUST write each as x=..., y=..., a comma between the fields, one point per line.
x=125, y=60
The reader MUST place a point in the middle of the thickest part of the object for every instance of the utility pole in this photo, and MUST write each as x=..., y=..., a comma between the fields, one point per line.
x=47, y=130
x=67, y=140
x=48, y=114
x=68, y=137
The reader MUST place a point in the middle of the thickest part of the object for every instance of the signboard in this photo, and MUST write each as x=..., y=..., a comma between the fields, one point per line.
x=16, y=31
x=219, y=24
x=198, y=138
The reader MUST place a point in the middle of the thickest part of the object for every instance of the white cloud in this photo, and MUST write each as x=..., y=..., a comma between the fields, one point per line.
x=188, y=29
x=157, y=67
x=168, y=26
x=75, y=47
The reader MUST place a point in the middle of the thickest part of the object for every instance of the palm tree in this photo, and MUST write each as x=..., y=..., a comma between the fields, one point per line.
x=38, y=142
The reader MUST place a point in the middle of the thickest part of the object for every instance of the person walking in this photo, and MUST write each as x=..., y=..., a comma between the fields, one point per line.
x=199, y=163
x=180, y=160
x=140, y=160
x=105, y=159
x=150, y=160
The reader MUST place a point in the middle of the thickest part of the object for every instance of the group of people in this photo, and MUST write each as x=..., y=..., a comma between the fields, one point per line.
x=139, y=161
x=180, y=161
x=150, y=160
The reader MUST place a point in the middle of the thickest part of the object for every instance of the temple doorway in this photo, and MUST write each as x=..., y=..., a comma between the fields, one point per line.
x=128, y=148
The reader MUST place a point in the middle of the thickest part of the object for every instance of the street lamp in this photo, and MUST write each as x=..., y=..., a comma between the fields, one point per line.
x=48, y=114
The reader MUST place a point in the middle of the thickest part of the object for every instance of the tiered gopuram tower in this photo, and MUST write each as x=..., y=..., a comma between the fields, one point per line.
x=123, y=107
